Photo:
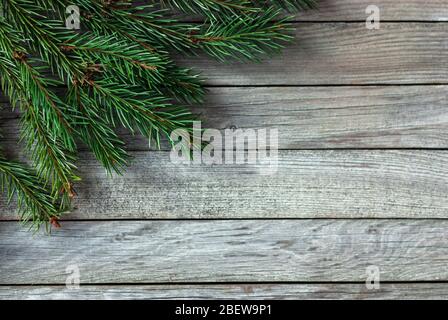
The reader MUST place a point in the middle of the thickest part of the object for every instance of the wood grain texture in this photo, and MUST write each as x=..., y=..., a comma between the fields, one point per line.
x=390, y=10
x=226, y=251
x=345, y=54
x=305, y=184
x=355, y=11
x=420, y=291
x=335, y=117
x=315, y=95
x=316, y=117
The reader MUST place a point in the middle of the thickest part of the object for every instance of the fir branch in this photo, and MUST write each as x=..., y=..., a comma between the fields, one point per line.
x=211, y=8
x=183, y=84
x=46, y=127
x=10, y=81
x=34, y=203
x=117, y=55
x=44, y=36
x=244, y=37
x=144, y=24
x=134, y=109
x=292, y=5
x=96, y=133
x=48, y=132
x=129, y=61
x=118, y=71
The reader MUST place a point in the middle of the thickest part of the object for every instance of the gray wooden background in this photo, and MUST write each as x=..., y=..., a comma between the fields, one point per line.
x=362, y=179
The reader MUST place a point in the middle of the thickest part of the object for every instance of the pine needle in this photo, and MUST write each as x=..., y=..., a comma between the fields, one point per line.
x=80, y=86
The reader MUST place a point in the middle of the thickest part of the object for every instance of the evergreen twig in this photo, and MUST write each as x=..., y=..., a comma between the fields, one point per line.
x=79, y=86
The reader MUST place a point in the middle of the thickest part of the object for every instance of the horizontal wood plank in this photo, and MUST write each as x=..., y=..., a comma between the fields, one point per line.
x=390, y=10
x=420, y=291
x=302, y=184
x=315, y=117
x=345, y=54
x=334, y=53
x=226, y=251
x=306, y=184
x=355, y=11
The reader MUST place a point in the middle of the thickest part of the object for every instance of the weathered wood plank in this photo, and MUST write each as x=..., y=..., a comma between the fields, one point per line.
x=343, y=53
x=226, y=251
x=355, y=10
x=420, y=291
x=311, y=184
x=317, y=117
x=390, y=10
x=340, y=53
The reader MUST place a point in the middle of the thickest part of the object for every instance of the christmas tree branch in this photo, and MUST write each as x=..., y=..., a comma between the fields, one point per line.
x=44, y=36
x=136, y=64
x=34, y=203
x=136, y=110
x=45, y=128
x=290, y=5
x=96, y=132
x=210, y=8
x=247, y=36
x=118, y=71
